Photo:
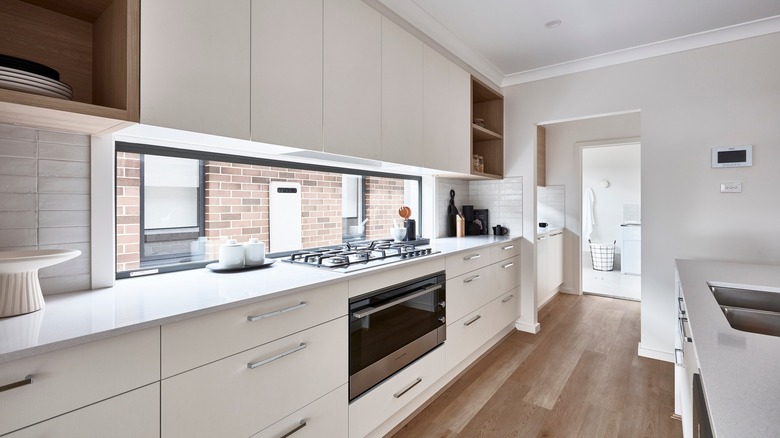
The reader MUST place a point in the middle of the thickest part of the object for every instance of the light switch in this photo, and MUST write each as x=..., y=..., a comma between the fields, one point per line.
x=731, y=187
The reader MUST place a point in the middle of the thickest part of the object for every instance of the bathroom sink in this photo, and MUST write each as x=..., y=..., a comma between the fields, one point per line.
x=754, y=321
x=748, y=309
x=747, y=298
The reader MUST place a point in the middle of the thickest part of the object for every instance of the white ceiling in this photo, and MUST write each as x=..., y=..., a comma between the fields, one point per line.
x=507, y=41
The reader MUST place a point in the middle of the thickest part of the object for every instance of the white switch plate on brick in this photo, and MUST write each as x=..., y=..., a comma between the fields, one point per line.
x=731, y=187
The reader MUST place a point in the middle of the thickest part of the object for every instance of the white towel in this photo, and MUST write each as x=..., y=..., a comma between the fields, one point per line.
x=590, y=199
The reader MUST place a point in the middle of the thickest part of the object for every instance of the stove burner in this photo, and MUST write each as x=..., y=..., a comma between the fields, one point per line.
x=357, y=255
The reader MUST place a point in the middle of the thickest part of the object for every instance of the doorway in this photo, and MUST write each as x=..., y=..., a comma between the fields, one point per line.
x=611, y=219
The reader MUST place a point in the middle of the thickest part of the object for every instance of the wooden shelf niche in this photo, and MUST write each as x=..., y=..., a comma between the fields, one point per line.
x=487, y=137
x=94, y=44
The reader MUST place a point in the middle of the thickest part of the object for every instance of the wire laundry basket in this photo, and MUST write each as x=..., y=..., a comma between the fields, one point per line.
x=602, y=255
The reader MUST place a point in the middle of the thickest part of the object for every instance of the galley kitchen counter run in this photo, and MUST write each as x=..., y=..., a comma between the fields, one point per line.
x=137, y=303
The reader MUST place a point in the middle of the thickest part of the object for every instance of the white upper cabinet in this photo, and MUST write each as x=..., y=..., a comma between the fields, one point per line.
x=402, y=96
x=195, y=66
x=446, y=114
x=352, y=75
x=287, y=73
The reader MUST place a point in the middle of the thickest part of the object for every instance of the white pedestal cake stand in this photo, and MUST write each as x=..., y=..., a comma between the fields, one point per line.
x=20, y=290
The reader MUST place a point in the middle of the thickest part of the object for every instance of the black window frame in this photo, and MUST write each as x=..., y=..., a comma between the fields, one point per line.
x=204, y=156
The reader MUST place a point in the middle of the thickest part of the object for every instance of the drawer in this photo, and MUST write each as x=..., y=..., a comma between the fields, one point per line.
x=505, y=310
x=228, y=398
x=468, y=293
x=135, y=414
x=466, y=335
x=382, y=402
x=70, y=378
x=391, y=276
x=465, y=261
x=504, y=250
x=506, y=275
x=326, y=417
x=194, y=342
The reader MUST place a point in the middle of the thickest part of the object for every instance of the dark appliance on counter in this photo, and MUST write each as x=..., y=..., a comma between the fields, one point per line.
x=476, y=221
x=354, y=256
x=411, y=230
x=393, y=327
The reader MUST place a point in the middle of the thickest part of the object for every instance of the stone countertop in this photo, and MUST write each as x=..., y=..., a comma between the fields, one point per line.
x=739, y=370
x=541, y=232
x=137, y=303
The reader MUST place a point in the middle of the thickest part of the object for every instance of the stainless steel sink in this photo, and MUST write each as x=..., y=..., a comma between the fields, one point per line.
x=754, y=321
x=749, y=310
x=747, y=298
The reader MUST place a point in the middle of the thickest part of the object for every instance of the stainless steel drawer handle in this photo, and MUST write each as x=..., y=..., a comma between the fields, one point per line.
x=276, y=312
x=508, y=265
x=253, y=365
x=400, y=393
x=679, y=363
x=681, y=305
x=507, y=298
x=471, y=257
x=508, y=247
x=472, y=320
x=470, y=279
x=300, y=426
x=26, y=381
x=685, y=336
x=371, y=310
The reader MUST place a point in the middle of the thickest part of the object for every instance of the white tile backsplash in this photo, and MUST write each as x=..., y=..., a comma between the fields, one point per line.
x=551, y=205
x=44, y=200
x=503, y=199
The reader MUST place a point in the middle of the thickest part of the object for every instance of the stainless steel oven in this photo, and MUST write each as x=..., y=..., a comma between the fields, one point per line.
x=392, y=327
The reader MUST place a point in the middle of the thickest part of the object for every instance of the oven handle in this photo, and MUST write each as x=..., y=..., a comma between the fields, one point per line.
x=372, y=310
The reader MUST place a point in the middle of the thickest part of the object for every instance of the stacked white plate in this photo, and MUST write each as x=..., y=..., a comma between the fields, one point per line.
x=20, y=80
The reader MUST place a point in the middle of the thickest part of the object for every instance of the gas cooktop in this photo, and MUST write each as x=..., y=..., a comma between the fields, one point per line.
x=353, y=256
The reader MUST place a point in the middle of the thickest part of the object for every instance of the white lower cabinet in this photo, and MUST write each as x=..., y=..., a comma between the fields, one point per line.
x=467, y=334
x=325, y=417
x=65, y=380
x=376, y=406
x=504, y=310
x=249, y=391
x=135, y=414
x=468, y=292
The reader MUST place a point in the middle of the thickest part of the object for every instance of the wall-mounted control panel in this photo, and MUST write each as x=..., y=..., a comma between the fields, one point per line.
x=732, y=156
x=731, y=187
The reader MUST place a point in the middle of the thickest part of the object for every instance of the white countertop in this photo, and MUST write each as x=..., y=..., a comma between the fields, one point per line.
x=137, y=303
x=541, y=232
x=739, y=370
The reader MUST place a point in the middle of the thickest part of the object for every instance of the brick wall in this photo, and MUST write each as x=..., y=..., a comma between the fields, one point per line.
x=384, y=196
x=128, y=211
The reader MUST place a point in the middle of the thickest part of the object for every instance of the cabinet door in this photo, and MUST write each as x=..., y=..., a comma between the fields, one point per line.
x=436, y=110
x=467, y=334
x=541, y=270
x=446, y=114
x=326, y=417
x=505, y=310
x=352, y=75
x=131, y=415
x=460, y=120
x=402, y=95
x=287, y=73
x=195, y=66
x=67, y=379
x=249, y=391
x=469, y=292
x=554, y=262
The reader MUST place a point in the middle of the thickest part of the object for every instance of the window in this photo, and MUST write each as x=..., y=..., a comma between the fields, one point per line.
x=175, y=207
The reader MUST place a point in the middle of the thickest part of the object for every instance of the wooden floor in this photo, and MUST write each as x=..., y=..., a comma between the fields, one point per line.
x=580, y=376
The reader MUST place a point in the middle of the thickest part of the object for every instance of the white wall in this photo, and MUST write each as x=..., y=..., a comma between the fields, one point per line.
x=689, y=102
x=619, y=165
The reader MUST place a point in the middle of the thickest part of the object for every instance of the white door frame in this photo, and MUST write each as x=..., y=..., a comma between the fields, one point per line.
x=581, y=146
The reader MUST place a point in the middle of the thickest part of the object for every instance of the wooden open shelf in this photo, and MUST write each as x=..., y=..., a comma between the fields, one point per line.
x=487, y=141
x=94, y=44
